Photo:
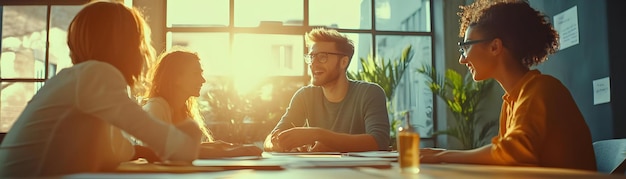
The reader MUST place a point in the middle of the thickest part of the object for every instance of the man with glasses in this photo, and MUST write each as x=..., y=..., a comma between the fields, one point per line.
x=334, y=113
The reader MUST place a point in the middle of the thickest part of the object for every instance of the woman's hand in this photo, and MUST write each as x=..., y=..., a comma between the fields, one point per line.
x=431, y=155
x=145, y=153
x=218, y=145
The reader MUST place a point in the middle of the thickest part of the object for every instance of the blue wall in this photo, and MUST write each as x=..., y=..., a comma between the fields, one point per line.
x=594, y=57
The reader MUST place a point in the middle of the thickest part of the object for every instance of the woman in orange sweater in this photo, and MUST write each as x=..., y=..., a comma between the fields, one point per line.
x=540, y=123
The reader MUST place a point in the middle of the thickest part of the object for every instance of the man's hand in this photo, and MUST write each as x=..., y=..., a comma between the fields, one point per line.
x=321, y=147
x=300, y=136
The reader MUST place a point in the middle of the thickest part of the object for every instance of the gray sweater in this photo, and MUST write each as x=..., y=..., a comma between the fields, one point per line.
x=362, y=111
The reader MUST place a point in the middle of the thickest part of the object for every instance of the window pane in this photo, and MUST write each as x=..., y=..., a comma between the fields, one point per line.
x=269, y=54
x=13, y=99
x=213, y=49
x=252, y=13
x=60, y=19
x=345, y=14
x=362, y=48
x=412, y=94
x=197, y=13
x=23, y=41
x=403, y=15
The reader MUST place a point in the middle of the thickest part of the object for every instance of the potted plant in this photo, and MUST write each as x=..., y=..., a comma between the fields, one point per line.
x=387, y=74
x=462, y=95
x=246, y=118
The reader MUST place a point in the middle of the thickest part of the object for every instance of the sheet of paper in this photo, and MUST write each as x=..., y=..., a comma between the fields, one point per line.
x=566, y=24
x=601, y=91
x=379, y=154
x=258, y=164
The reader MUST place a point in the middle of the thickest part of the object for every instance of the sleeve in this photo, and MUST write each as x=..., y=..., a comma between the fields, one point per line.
x=158, y=109
x=120, y=145
x=376, y=116
x=295, y=112
x=101, y=92
x=526, y=125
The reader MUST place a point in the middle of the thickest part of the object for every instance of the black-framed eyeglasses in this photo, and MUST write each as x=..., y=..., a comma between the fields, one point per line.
x=463, y=46
x=320, y=57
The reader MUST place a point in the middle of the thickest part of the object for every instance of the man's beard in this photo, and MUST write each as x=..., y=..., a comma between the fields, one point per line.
x=330, y=77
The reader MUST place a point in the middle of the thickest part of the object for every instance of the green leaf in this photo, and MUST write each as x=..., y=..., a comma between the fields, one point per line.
x=461, y=95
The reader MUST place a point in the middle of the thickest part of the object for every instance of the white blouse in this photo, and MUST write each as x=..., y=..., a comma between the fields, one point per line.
x=73, y=124
x=159, y=108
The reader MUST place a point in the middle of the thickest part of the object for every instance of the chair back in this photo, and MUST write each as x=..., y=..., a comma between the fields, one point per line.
x=609, y=154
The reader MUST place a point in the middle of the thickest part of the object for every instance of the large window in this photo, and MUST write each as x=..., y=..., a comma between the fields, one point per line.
x=252, y=53
x=25, y=62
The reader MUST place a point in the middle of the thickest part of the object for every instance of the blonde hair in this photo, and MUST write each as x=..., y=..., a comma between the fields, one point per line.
x=113, y=33
x=164, y=75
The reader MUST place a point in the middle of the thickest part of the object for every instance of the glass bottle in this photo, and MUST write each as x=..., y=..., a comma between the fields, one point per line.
x=408, y=141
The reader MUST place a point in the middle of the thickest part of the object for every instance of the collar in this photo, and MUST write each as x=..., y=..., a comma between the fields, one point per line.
x=513, y=94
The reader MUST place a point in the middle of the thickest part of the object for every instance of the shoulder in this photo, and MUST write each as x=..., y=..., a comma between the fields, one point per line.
x=367, y=89
x=309, y=89
x=544, y=85
x=543, y=82
x=97, y=69
x=96, y=66
x=366, y=86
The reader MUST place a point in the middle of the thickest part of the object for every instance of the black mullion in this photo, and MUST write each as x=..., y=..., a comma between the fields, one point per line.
x=432, y=63
x=387, y=32
x=22, y=80
x=231, y=14
x=256, y=30
x=373, y=29
x=305, y=21
x=305, y=24
x=43, y=2
x=164, y=22
x=1, y=24
x=47, y=54
x=230, y=29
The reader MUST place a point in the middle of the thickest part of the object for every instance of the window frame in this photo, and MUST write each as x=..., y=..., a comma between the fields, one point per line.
x=37, y=80
x=232, y=30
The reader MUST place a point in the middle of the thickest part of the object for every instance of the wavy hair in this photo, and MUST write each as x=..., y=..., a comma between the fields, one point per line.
x=163, y=77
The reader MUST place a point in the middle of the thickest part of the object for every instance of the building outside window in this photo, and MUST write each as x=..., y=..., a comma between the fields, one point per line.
x=25, y=62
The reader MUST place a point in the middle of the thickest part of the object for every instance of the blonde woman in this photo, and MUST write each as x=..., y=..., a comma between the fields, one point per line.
x=175, y=85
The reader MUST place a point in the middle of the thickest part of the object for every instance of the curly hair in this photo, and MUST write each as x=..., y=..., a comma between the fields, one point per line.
x=522, y=29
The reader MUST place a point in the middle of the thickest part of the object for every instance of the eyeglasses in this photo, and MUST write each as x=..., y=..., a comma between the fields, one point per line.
x=320, y=57
x=463, y=46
